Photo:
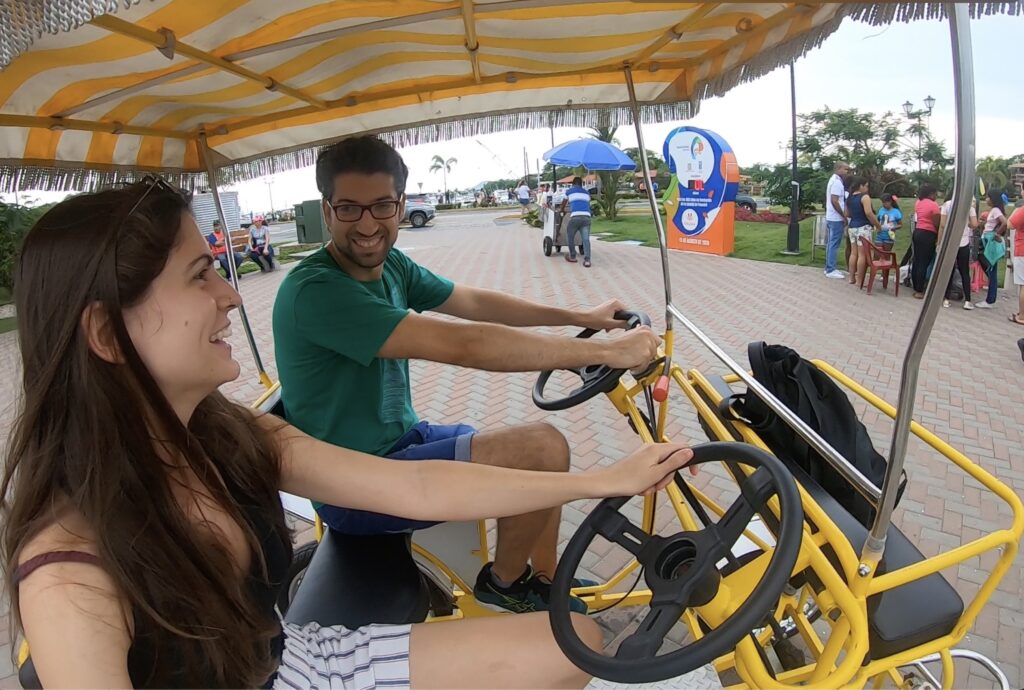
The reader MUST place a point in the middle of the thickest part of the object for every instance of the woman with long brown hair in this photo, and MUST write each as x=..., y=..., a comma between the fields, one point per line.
x=143, y=537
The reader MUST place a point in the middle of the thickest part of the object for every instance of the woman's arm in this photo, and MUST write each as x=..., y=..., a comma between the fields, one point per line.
x=446, y=490
x=76, y=624
x=869, y=212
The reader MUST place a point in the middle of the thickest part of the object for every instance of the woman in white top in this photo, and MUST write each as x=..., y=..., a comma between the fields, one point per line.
x=963, y=254
x=993, y=247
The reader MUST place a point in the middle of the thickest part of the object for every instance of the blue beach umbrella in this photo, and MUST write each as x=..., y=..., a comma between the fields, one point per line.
x=591, y=154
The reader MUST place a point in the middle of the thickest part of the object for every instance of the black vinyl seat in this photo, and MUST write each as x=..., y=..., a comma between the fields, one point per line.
x=900, y=618
x=358, y=580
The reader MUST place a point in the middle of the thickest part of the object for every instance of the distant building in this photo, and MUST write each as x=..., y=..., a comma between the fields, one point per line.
x=205, y=211
x=1017, y=176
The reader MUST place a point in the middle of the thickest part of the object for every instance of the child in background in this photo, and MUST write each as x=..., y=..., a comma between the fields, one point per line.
x=891, y=219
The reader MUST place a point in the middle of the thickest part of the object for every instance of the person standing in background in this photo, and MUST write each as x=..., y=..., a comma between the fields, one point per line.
x=993, y=246
x=926, y=236
x=523, y=192
x=835, y=218
x=862, y=220
x=890, y=219
x=577, y=200
x=963, y=254
x=1016, y=264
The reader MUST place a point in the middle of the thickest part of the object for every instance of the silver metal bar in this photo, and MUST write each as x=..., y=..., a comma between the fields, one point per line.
x=997, y=673
x=963, y=92
x=229, y=253
x=134, y=88
x=851, y=473
x=392, y=22
x=928, y=675
x=645, y=166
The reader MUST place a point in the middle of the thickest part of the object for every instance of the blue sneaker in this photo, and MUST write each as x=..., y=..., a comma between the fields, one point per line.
x=526, y=595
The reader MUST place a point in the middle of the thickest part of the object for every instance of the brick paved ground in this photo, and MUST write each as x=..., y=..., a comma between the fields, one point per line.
x=971, y=390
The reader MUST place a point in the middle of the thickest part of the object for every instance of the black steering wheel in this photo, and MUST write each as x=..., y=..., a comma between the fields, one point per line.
x=682, y=573
x=597, y=378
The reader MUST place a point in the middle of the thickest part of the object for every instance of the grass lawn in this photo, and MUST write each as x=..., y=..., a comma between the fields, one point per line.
x=9, y=324
x=755, y=241
x=5, y=296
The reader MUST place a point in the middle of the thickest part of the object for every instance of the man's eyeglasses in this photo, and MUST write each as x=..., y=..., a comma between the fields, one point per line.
x=353, y=213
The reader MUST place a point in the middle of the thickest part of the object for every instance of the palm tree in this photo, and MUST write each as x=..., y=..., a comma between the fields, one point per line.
x=445, y=166
x=994, y=171
x=609, y=180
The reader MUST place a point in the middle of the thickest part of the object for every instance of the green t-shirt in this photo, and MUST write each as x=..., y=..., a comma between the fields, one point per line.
x=328, y=328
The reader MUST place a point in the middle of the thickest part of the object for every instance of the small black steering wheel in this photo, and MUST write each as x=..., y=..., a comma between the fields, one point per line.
x=682, y=573
x=597, y=378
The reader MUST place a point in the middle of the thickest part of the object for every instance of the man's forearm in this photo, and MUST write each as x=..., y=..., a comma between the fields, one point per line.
x=495, y=347
x=491, y=306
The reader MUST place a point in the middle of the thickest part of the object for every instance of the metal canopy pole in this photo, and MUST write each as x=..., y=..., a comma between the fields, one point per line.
x=649, y=184
x=834, y=457
x=229, y=258
x=963, y=91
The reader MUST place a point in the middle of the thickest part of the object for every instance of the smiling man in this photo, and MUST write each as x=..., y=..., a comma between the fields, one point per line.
x=349, y=317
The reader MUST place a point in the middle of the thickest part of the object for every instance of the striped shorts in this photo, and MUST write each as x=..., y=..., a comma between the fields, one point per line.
x=318, y=658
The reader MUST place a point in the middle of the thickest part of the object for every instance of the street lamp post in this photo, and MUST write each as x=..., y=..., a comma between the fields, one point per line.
x=793, y=234
x=908, y=109
x=270, y=193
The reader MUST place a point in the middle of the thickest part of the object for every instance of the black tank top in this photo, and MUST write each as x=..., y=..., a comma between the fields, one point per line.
x=858, y=218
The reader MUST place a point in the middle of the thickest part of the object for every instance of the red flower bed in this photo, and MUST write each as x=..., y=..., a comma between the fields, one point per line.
x=765, y=216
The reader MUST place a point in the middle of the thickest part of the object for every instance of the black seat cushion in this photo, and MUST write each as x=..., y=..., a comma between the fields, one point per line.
x=358, y=580
x=901, y=618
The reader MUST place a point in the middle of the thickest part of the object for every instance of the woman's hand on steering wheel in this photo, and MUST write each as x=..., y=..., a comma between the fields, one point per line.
x=643, y=472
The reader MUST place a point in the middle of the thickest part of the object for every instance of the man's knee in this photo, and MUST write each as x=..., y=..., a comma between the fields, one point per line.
x=588, y=631
x=550, y=448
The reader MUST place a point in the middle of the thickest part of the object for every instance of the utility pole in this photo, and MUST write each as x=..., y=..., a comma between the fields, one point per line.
x=793, y=235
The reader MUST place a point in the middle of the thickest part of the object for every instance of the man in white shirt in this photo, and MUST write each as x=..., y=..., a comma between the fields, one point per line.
x=835, y=218
x=523, y=192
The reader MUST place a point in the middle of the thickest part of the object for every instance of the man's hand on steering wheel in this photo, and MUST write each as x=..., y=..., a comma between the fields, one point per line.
x=602, y=317
x=633, y=349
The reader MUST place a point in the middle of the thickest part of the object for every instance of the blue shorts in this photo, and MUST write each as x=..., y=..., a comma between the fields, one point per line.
x=422, y=442
x=524, y=202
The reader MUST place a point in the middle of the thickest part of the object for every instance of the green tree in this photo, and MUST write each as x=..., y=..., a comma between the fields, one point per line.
x=995, y=172
x=609, y=179
x=868, y=142
x=445, y=166
x=15, y=222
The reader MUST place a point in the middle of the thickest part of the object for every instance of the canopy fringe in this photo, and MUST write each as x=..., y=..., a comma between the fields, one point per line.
x=17, y=176
x=24, y=21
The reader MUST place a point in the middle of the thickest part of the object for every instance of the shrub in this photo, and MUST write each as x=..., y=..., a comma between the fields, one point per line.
x=765, y=216
x=15, y=222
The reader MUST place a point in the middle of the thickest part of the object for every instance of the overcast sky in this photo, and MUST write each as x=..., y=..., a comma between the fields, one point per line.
x=871, y=68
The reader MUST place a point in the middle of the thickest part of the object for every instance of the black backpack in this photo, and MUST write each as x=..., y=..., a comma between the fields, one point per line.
x=823, y=405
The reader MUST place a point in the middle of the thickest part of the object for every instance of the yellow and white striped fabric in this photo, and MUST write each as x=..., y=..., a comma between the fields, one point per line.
x=96, y=90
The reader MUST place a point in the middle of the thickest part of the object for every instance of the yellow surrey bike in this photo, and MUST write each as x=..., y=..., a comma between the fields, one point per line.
x=95, y=92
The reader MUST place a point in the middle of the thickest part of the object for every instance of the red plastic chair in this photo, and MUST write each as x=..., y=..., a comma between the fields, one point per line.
x=879, y=260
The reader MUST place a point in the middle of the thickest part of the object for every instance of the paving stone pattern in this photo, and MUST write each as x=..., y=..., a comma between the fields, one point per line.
x=971, y=390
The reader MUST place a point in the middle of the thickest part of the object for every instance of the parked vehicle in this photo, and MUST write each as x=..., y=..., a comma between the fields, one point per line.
x=417, y=212
x=747, y=202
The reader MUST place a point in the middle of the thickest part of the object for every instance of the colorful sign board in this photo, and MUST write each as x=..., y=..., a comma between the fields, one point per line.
x=700, y=204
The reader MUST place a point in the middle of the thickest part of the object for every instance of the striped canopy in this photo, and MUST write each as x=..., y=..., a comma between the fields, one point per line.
x=93, y=91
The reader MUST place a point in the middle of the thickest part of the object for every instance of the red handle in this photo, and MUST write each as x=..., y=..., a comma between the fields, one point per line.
x=661, y=389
